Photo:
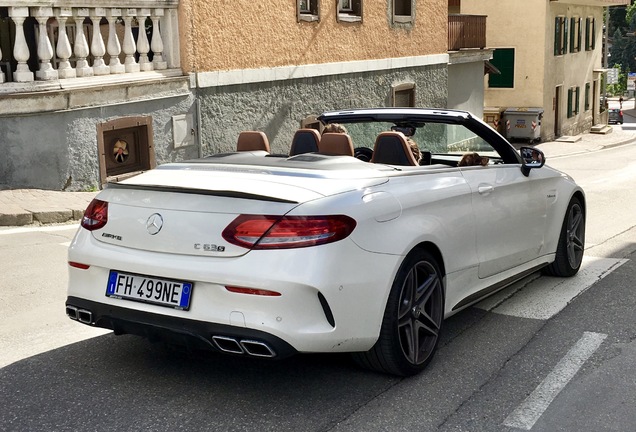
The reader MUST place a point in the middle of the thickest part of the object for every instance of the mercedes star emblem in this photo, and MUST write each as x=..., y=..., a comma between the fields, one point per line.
x=154, y=223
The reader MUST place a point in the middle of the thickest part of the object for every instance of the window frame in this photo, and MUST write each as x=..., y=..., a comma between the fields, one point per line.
x=349, y=15
x=574, y=101
x=575, y=34
x=406, y=88
x=590, y=33
x=561, y=35
x=309, y=14
x=401, y=19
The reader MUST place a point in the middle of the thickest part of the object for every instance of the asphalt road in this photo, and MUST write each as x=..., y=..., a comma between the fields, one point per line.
x=547, y=354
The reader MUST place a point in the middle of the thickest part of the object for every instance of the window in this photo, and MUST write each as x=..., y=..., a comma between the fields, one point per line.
x=403, y=95
x=587, y=96
x=560, y=35
x=308, y=10
x=573, y=101
x=590, y=33
x=402, y=11
x=349, y=10
x=575, y=34
x=504, y=60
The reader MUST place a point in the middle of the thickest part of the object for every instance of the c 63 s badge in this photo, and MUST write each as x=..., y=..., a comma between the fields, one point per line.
x=209, y=247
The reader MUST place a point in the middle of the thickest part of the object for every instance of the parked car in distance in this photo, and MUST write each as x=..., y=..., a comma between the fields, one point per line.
x=615, y=116
x=266, y=255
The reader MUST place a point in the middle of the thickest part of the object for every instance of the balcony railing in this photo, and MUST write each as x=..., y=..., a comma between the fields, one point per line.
x=49, y=44
x=466, y=31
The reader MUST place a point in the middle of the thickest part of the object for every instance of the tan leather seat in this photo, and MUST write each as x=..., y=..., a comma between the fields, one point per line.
x=336, y=144
x=304, y=141
x=252, y=141
x=391, y=148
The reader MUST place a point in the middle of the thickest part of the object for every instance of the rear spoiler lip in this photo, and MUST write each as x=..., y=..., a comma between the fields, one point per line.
x=182, y=190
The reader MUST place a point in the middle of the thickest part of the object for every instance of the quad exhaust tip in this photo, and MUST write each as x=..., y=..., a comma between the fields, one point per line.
x=81, y=315
x=246, y=346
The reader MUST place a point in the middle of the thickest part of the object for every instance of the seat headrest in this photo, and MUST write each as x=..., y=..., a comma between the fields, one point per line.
x=252, y=141
x=336, y=144
x=304, y=141
x=391, y=148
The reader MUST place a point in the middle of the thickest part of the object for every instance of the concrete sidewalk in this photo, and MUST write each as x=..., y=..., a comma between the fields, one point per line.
x=19, y=207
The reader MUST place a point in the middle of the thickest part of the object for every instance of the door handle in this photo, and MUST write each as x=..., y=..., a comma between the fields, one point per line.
x=485, y=189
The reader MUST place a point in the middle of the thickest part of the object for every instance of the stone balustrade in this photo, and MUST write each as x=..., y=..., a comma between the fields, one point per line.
x=74, y=40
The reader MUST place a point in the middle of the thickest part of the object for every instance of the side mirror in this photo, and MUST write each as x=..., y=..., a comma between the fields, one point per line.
x=531, y=158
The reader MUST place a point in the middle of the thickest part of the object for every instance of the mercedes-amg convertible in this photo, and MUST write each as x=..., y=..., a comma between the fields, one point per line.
x=362, y=239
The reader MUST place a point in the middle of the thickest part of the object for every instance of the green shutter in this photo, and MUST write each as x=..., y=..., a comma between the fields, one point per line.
x=572, y=34
x=587, y=96
x=564, y=49
x=504, y=60
x=577, y=101
x=569, y=103
x=587, y=34
x=593, y=44
x=557, y=36
x=578, y=37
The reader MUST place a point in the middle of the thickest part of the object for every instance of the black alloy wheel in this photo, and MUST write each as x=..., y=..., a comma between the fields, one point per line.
x=412, y=320
x=571, y=246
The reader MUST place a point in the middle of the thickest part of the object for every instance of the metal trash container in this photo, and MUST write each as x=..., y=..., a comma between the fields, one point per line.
x=492, y=116
x=523, y=123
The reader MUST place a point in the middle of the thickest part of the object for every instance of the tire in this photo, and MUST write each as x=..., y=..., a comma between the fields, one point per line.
x=569, y=253
x=412, y=320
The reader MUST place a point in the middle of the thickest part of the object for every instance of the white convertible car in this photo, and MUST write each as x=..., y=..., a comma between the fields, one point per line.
x=349, y=243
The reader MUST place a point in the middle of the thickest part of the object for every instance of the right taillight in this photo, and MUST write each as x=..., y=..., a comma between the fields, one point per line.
x=285, y=232
x=96, y=215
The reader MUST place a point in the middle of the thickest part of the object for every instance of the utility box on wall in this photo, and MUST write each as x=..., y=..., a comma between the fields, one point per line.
x=125, y=148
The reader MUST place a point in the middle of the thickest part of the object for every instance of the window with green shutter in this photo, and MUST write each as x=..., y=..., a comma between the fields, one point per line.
x=577, y=101
x=504, y=60
x=560, y=35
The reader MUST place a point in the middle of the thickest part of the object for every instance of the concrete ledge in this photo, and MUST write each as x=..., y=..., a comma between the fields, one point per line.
x=56, y=216
x=15, y=219
x=601, y=129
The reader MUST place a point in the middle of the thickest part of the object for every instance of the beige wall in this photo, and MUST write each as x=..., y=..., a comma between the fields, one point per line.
x=518, y=25
x=248, y=34
x=528, y=26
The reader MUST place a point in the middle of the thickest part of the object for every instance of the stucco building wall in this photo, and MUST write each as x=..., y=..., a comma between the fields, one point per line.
x=58, y=150
x=277, y=108
x=228, y=35
x=529, y=28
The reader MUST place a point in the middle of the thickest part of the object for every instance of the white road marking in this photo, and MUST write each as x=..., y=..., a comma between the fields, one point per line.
x=542, y=298
x=66, y=244
x=46, y=228
x=527, y=414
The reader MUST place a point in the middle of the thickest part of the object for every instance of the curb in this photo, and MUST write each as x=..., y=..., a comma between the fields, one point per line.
x=20, y=207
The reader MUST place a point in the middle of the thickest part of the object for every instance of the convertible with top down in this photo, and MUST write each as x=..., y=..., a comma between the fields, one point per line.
x=350, y=242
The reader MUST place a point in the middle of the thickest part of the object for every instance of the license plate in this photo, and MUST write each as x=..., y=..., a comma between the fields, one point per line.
x=148, y=289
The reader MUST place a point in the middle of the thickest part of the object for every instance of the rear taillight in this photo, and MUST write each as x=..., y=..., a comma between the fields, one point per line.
x=276, y=232
x=96, y=215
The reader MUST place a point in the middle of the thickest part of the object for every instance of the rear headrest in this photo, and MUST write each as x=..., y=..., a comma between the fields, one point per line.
x=304, y=141
x=336, y=144
x=252, y=140
x=391, y=148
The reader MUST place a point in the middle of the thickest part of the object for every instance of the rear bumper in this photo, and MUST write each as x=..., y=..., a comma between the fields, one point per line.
x=196, y=334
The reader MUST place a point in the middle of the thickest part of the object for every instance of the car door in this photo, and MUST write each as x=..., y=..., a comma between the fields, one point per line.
x=509, y=207
x=510, y=214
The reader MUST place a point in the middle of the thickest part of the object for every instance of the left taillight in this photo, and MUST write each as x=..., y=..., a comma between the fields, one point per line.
x=96, y=215
x=276, y=232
